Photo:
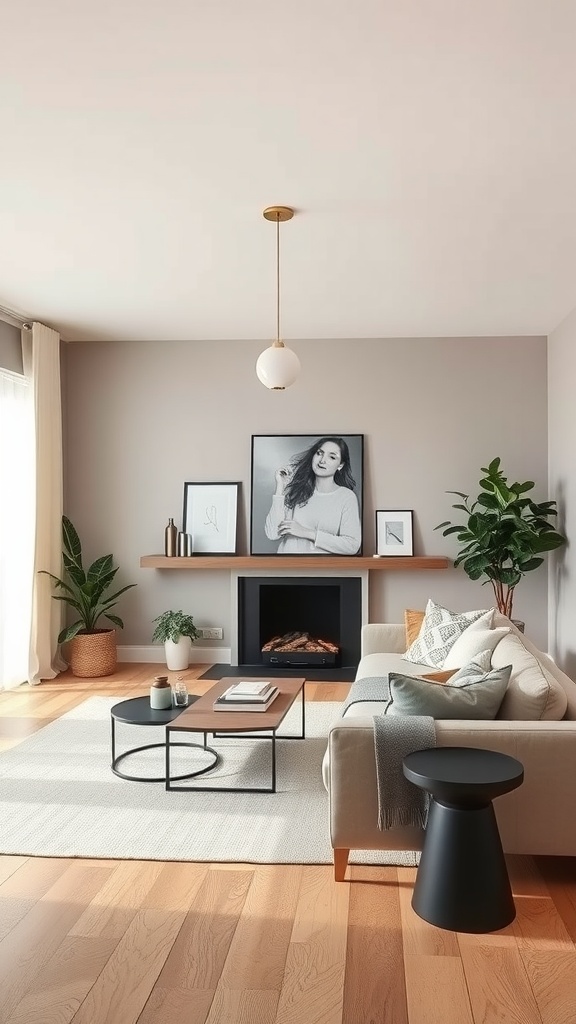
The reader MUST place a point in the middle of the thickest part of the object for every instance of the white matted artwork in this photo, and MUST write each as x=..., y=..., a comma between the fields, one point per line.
x=210, y=517
x=394, y=532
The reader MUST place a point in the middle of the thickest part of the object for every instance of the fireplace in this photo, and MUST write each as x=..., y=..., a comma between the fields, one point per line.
x=300, y=621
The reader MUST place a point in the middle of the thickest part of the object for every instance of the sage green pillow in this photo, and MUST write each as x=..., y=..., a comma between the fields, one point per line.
x=480, y=698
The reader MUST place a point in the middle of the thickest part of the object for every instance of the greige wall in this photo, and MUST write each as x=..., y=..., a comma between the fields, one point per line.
x=562, y=445
x=141, y=418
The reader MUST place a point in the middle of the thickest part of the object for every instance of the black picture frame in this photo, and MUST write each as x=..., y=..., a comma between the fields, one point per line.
x=210, y=516
x=273, y=452
x=395, y=532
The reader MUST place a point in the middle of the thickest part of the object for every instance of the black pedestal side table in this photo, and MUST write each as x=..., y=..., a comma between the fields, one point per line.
x=462, y=882
x=137, y=711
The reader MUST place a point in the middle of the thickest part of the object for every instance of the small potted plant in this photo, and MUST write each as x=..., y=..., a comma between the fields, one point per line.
x=177, y=632
x=92, y=648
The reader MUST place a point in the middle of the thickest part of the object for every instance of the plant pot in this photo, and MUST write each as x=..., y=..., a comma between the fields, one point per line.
x=93, y=654
x=178, y=654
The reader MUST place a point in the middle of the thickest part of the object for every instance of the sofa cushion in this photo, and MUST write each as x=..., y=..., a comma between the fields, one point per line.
x=478, y=698
x=383, y=663
x=376, y=689
x=412, y=623
x=479, y=636
x=439, y=631
x=533, y=694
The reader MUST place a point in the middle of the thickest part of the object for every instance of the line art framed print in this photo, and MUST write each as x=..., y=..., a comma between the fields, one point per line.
x=394, y=532
x=210, y=516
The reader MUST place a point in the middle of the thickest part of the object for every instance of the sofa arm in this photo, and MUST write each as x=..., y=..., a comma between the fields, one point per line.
x=380, y=637
x=536, y=818
x=351, y=784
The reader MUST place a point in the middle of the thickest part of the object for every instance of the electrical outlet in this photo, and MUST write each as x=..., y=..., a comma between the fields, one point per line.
x=212, y=633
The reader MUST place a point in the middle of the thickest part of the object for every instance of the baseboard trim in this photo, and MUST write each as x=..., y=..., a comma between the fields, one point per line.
x=154, y=653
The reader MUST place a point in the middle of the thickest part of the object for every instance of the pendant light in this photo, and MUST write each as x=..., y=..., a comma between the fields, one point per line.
x=278, y=366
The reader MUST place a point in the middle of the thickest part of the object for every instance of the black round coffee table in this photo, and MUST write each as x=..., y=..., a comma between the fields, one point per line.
x=462, y=882
x=137, y=711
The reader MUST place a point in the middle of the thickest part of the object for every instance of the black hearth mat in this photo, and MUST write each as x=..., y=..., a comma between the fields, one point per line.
x=315, y=675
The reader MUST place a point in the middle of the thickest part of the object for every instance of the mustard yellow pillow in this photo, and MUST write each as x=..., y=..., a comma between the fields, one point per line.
x=412, y=622
x=440, y=677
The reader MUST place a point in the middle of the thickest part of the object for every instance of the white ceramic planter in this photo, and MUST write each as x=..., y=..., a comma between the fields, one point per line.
x=178, y=654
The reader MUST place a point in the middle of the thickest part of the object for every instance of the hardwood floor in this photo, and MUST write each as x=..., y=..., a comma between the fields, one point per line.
x=120, y=942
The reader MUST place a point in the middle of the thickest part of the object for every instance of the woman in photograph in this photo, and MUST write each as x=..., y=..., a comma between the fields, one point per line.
x=314, y=508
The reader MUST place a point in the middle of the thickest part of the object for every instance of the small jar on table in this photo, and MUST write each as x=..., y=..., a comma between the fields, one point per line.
x=161, y=694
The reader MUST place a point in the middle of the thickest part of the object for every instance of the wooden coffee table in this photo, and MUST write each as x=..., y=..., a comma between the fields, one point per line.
x=201, y=717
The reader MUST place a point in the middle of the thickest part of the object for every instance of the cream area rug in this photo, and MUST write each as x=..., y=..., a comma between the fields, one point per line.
x=59, y=798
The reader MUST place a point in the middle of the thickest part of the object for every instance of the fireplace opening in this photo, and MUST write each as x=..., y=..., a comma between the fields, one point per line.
x=300, y=621
x=300, y=648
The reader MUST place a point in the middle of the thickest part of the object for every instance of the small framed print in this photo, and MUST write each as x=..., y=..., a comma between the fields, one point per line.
x=394, y=532
x=210, y=516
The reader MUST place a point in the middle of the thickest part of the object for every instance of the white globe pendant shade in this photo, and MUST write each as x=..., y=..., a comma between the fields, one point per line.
x=277, y=367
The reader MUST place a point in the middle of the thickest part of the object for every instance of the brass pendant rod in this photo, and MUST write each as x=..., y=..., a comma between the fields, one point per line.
x=278, y=214
x=277, y=278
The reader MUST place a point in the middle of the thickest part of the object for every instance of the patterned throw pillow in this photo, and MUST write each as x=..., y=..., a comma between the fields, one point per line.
x=439, y=631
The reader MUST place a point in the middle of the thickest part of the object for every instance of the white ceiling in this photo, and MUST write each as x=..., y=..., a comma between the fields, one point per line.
x=429, y=147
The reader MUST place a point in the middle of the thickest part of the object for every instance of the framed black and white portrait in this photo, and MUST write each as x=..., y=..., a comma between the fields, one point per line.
x=394, y=532
x=210, y=517
x=307, y=494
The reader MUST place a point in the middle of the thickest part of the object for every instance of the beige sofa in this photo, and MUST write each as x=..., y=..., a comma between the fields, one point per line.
x=537, y=818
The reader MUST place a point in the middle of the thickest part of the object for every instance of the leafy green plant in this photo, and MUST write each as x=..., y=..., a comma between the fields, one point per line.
x=173, y=625
x=85, y=591
x=505, y=534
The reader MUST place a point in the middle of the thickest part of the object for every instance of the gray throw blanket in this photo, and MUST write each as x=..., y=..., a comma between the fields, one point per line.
x=370, y=688
x=399, y=801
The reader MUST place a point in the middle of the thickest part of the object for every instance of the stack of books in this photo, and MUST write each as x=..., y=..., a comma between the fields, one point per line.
x=247, y=697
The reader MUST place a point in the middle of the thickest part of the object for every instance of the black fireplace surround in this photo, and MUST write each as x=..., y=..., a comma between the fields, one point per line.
x=328, y=607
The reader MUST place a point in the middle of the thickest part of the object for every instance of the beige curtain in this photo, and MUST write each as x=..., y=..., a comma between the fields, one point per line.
x=17, y=489
x=41, y=358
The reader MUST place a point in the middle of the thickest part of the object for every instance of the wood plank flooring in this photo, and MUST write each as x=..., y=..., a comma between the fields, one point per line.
x=127, y=942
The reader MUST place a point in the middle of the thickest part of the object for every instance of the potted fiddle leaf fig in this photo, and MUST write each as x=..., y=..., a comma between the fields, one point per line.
x=92, y=647
x=504, y=535
x=177, y=632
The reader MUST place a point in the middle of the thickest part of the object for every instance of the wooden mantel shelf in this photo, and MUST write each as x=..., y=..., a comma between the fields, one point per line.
x=399, y=563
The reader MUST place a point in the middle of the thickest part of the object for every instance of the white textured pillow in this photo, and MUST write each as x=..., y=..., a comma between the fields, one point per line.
x=533, y=695
x=478, y=637
x=438, y=632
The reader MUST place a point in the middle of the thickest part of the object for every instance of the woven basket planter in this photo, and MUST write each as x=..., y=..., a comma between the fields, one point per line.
x=93, y=654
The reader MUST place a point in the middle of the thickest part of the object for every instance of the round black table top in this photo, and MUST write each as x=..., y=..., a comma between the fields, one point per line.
x=443, y=771
x=137, y=711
